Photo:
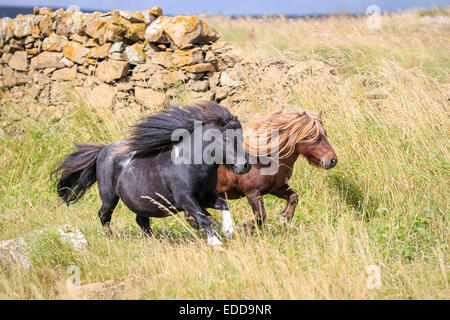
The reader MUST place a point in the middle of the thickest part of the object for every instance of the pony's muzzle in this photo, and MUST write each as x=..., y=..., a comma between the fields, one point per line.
x=328, y=163
x=242, y=168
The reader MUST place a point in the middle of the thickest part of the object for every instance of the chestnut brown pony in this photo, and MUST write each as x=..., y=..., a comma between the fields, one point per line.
x=299, y=133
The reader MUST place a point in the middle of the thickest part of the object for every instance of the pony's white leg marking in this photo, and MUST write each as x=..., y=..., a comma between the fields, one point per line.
x=213, y=241
x=227, y=223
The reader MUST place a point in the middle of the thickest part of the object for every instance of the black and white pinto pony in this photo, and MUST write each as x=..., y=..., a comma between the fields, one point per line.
x=145, y=172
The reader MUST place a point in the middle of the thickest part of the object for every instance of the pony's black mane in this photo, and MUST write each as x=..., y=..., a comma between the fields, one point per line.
x=154, y=132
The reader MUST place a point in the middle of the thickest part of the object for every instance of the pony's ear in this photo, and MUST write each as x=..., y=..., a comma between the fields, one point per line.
x=320, y=113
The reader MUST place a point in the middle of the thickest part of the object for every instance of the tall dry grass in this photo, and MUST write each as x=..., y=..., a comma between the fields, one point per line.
x=385, y=204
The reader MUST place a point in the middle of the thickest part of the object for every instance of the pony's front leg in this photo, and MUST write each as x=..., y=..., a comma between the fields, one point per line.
x=286, y=193
x=190, y=205
x=221, y=204
x=256, y=202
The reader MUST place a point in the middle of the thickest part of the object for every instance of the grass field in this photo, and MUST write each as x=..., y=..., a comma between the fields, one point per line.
x=385, y=204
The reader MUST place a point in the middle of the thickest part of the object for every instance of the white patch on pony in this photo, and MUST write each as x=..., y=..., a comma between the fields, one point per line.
x=227, y=224
x=213, y=241
x=125, y=162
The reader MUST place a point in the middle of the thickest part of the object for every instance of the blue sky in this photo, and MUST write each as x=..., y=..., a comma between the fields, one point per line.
x=236, y=6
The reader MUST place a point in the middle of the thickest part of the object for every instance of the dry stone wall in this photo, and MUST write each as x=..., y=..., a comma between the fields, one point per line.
x=142, y=54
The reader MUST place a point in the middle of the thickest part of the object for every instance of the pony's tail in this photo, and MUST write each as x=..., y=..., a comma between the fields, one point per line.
x=78, y=172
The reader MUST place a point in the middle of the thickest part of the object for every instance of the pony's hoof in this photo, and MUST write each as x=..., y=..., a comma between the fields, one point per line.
x=110, y=233
x=248, y=225
x=283, y=218
x=228, y=231
x=228, y=234
x=213, y=241
x=148, y=235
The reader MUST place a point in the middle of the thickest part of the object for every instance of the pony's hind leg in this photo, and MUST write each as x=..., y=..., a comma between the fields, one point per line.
x=105, y=213
x=144, y=223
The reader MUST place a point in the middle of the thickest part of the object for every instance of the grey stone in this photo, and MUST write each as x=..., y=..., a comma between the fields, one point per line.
x=116, y=47
x=16, y=251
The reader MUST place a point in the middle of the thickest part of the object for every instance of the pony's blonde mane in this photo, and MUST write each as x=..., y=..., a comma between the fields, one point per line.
x=293, y=126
